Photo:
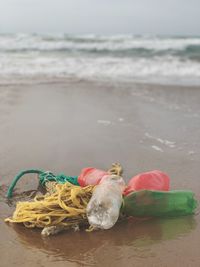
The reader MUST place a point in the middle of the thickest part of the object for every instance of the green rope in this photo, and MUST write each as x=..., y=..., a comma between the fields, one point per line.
x=60, y=178
x=44, y=176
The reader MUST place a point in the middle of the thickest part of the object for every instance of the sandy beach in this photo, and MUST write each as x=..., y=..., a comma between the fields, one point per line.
x=65, y=126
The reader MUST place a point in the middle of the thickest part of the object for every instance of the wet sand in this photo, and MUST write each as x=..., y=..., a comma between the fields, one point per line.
x=66, y=126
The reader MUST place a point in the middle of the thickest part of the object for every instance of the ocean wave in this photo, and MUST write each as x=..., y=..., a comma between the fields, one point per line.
x=156, y=70
x=22, y=42
x=124, y=57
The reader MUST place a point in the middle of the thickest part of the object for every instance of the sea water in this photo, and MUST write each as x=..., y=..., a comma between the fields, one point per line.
x=151, y=59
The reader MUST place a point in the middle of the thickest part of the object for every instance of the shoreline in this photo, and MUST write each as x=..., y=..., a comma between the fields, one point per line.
x=37, y=80
x=175, y=104
x=69, y=125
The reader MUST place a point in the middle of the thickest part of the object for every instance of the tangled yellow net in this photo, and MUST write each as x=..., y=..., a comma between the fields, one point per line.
x=65, y=206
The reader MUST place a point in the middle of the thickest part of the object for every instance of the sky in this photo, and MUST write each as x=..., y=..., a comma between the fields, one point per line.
x=169, y=17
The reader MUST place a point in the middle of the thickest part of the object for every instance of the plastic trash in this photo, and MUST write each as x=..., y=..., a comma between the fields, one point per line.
x=104, y=206
x=153, y=180
x=147, y=203
x=90, y=176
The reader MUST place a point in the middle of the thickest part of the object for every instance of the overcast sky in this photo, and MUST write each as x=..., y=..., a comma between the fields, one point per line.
x=101, y=16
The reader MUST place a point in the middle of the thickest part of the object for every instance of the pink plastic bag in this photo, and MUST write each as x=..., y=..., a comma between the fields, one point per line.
x=90, y=176
x=153, y=180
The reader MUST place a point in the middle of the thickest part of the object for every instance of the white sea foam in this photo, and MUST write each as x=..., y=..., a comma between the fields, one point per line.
x=101, y=57
x=157, y=148
x=152, y=70
x=165, y=142
x=88, y=42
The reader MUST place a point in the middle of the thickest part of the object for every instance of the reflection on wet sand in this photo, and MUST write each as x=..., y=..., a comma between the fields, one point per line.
x=130, y=238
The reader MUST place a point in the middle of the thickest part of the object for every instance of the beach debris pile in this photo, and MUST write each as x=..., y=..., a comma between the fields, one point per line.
x=96, y=199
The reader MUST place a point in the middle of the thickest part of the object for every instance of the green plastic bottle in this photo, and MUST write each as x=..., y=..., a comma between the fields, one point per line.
x=147, y=203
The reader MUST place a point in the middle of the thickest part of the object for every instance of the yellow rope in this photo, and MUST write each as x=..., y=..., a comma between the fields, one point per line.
x=116, y=169
x=66, y=206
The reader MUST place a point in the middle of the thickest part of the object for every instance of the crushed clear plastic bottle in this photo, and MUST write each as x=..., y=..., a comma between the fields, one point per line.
x=104, y=206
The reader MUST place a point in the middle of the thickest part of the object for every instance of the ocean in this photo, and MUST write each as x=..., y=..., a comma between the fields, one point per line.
x=148, y=59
